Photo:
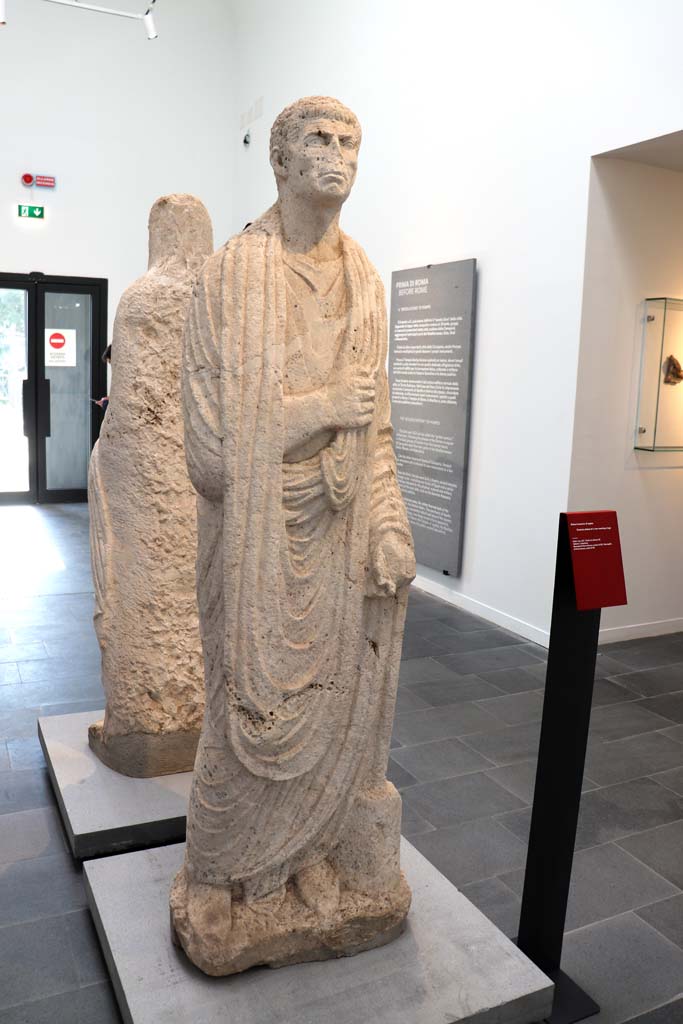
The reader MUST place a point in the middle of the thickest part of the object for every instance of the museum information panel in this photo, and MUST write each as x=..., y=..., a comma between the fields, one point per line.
x=430, y=364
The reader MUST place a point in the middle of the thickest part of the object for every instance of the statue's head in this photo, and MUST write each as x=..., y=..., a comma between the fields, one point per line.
x=314, y=147
x=179, y=231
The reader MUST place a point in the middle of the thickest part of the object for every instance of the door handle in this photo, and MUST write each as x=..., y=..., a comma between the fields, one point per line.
x=27, y=407
x=45, y=405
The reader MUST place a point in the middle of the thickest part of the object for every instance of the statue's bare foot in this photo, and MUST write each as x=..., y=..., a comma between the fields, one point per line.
x=209, y=913
x=318, y=887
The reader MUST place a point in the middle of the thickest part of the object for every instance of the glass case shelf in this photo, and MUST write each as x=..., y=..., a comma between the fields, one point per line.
x=659, y=426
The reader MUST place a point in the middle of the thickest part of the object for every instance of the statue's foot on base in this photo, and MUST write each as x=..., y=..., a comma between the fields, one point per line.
x=209, y=915
x=318, y=887
x=144, y=755
x=285, y=931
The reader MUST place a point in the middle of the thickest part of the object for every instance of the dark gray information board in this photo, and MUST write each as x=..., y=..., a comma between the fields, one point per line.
x=430, y=372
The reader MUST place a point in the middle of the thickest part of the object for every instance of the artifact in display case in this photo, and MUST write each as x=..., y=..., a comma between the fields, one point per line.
x=660, y=403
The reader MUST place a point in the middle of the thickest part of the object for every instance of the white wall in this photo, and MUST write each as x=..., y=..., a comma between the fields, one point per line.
x=633, y=251
x=119, y=120
x=480, y=120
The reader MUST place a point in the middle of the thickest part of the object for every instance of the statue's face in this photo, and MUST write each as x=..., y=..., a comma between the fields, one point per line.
x=320, y=162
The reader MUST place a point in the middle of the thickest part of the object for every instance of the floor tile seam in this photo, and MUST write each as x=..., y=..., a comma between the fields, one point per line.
x=469, y=821
x=638, y=695
x=440, y=640
x=476, y=771
x=36, y=807
x=527, y=805
x=432, y=707
x=614, y=917
x=629, y=835
x=43, y=918
x=466, y=677
x=653, y=1009
x=655, y=903
x=626, y=782
x=41, y=856
x=444, y=778
x=30, y=768
x=496, y=764
x=499, y=815
x=507, y=886
x=633, y=856
x=655, y=931
x=34, y=1002
x=632, y=735
x=444, y=739
x=452, y=736
x=634, y=695
x=619, y=739
x=537, y=659
x=633, y=778
x=663, y=784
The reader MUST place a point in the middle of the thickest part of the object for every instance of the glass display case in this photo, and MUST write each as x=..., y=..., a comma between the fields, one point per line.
x=659, y=426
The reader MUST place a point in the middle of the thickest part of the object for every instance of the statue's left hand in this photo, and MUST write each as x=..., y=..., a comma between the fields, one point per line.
x=392, y=565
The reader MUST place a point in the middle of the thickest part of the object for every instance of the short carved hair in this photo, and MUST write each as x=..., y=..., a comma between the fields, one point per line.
x=287, y=122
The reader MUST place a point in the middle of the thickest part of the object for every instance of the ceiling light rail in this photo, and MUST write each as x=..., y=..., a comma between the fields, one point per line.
x=147, y=18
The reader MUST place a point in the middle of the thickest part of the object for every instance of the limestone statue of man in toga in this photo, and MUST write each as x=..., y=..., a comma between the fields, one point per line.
x=304, y=558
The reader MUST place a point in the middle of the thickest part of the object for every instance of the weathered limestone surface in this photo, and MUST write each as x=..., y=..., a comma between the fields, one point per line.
x=143, y=515
x=304, y=559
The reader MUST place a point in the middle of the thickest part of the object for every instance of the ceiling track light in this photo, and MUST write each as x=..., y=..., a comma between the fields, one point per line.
x=147, y=18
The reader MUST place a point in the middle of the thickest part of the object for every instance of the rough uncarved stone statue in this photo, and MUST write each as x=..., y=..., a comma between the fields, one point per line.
x=304, y=558
x=143, y=515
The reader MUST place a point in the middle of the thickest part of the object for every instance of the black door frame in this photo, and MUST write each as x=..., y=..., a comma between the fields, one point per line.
x=36, y=412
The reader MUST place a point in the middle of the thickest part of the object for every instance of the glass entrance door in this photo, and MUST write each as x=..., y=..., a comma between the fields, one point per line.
x=52, y=334
x=17, y=401
x=66, y=415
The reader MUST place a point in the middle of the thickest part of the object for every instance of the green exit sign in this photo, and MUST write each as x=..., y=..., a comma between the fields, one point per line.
x=37, y=212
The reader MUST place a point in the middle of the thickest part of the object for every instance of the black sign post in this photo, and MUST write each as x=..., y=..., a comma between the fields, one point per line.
x=564, y=736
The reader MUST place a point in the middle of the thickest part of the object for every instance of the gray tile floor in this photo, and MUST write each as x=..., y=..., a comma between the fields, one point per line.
x=463, y=753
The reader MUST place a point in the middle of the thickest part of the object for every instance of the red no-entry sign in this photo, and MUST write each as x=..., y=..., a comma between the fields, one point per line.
x=57, y=340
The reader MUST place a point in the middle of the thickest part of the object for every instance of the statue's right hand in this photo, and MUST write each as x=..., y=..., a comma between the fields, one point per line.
x=352, y=398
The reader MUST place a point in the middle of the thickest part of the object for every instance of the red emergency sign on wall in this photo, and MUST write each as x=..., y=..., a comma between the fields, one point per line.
x=41, y=180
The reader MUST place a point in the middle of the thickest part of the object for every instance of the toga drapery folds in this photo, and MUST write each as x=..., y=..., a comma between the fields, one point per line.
x=301, y=666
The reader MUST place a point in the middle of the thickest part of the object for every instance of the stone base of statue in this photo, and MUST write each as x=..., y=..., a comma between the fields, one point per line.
x=450, y=965
x=145, y=755
x=281, y=930
x=104, y=811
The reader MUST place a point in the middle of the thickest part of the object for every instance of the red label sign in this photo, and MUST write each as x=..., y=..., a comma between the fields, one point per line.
x=596, y=559
x=57, y=340
x=45, y=181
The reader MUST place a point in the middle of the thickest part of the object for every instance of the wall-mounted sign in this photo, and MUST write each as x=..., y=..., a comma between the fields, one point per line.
x=36, y=212
x=41, y=180
x=430, y=364
x=60, y=347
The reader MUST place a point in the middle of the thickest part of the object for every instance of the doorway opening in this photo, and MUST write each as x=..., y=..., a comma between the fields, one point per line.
x=53, y=332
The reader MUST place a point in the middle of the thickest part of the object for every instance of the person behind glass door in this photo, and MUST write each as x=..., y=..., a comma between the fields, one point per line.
x=106, y=358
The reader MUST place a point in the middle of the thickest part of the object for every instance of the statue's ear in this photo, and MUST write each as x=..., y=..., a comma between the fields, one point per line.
x=278, y=161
